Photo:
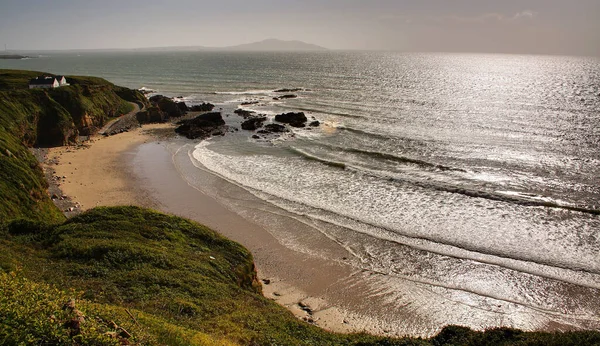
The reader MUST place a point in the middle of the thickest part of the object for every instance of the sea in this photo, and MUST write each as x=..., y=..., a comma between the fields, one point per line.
x=461, y=179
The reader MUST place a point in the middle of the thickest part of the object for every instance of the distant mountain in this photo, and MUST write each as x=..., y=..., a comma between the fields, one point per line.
x=275, y=45
x=261, y=46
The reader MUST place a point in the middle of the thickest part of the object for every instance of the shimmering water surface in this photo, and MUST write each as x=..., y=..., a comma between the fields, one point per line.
x=470, y=179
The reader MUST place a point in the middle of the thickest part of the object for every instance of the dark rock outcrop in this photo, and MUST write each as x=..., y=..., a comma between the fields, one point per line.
x=292, y=90
x=315, y=123
x=204, y=107
x=253, y=123
x=243, y=113
x=183, y=107
x=202, y=126
x=294, y=119
x=152, y=115
x=282, y=97
x=168, y=106
x=273, y=128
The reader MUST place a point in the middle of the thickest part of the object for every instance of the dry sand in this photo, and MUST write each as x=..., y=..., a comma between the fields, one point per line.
x=99, y=173
x=94, y=174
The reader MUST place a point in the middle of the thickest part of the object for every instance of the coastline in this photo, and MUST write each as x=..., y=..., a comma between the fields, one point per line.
x=141, y=168
x=101, y=172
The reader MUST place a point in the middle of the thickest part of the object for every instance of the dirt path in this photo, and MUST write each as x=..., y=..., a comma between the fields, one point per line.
x=108, y=127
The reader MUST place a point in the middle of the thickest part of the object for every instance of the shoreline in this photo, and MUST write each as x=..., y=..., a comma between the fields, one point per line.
x=145, y=167
x=100, y=173
x=93, y=174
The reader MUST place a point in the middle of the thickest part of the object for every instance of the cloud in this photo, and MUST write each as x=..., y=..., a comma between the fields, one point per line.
x=483, y=18
x=525, y=15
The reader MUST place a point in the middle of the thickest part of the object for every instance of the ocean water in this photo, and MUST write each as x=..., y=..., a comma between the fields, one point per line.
x=472, y=177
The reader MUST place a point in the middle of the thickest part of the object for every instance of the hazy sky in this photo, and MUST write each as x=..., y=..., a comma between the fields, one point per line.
x=511, y=26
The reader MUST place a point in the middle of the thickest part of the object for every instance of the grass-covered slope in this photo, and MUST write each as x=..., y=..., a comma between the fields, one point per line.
x=170, y=269
x=47, y=118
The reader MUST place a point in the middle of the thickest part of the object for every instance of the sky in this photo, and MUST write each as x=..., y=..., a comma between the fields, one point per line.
x=566, y=27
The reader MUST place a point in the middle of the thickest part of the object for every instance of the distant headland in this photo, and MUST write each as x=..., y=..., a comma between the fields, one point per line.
x=13, y=56
x=268, y=45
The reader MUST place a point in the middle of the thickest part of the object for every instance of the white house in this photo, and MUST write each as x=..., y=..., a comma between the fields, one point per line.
x=47, y=82
x=62, y=81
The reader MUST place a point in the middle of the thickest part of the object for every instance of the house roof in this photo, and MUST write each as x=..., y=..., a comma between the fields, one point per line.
x=42, y=80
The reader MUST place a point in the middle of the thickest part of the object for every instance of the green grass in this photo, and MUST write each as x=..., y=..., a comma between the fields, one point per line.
x=34, y=313
x=16, y=79
x=164, y=266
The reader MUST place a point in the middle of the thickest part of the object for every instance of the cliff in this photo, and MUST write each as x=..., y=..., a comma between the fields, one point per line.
x=47, y=117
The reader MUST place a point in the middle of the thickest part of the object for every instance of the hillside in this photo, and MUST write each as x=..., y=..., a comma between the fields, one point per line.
x=50, y=117
x=132, y=276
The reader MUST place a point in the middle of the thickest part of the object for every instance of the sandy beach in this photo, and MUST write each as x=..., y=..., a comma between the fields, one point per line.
x=101, y=173
x=93, y=174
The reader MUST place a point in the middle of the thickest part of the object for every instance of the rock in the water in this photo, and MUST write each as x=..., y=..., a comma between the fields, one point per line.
x=204, y=107
x=315, y=123
x=273, y=128
x=284, y=97
x=256, y=136
x=293, y=90
x=247, y=103
x=294, y=119
x=202, y=126
x=253, y=123
x=243, y=113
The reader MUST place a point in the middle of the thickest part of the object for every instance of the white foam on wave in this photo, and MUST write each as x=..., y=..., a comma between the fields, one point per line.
x=454, y=221
x=246, y=92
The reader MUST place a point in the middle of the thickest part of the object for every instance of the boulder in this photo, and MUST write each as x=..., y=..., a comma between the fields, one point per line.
x=168, y=106
x=171, y=108
x=273, y=128
x=243, y=113
x=202, y=126
x=294, y=119
x=284, y=97
x=204, y=107
x=253, y=123
x=293, y=90
x=183, y=107
x=315, y=123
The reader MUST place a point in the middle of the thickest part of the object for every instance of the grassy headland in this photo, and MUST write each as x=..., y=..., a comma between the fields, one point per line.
x=138, y=276
x=47, y=117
